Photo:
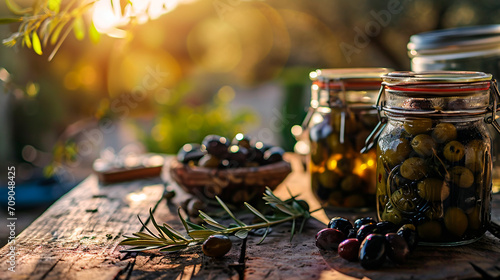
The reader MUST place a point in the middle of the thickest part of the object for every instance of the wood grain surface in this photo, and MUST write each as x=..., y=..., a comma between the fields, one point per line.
x=77, y=238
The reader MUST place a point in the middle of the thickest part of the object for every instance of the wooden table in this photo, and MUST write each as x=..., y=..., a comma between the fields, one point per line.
x=77, y=238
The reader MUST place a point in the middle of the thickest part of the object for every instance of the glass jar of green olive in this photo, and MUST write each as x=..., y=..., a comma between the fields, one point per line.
x=471, y=48
x=342, y=114
x=434, y=153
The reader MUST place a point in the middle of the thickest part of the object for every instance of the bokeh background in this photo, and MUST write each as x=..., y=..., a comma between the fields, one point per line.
x=172, y=76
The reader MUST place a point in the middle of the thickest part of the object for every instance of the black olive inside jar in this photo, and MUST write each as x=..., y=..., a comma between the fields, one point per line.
x=434, y=153
x=341, y=116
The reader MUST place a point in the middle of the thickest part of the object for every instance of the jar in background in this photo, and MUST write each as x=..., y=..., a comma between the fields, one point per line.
x=434, y=154
x=473, y=48
x=341, y=116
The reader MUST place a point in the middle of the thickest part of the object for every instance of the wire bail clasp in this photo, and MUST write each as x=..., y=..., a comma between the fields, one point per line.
x=496, y=96
x=382, y=122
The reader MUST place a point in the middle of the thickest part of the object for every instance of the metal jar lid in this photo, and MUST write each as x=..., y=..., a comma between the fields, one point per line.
x=480, y=40
x=332, y=87
x=348, y=78
x=437, y=92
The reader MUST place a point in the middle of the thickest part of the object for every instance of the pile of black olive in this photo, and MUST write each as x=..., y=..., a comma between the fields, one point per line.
x=218, y=152
x=368, y=241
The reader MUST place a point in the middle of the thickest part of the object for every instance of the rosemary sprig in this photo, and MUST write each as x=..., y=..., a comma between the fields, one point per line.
x=170, y=240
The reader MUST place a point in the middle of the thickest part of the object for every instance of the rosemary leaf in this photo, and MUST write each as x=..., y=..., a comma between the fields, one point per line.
x=145, y=227
x=229, y=212
x=263, y=236
x=143, y=235
x=242, y=233
x=256, y=212
x=168, y=233
x=198, y=234
x=176, y=234
x=209, y=220
x=284, y=209
x=174, y=248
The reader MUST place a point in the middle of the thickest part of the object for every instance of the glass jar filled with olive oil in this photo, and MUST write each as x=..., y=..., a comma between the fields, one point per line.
x=434, y=153
x=341, y=116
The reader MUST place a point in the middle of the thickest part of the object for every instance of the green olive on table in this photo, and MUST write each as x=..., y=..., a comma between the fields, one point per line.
x=460, y=176
x=417, y=126
x=444, y=132
x=413, y=168
x=455, y=221
x=394, y=151
x=475, y=153
x=423, y=145
x=454, y=151
x=433, y=189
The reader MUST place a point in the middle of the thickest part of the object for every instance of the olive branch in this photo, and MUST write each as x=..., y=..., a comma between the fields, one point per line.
x=168, y=239
x=49, y=22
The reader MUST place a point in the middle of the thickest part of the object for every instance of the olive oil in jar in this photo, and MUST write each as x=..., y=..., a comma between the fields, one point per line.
x=342, y=115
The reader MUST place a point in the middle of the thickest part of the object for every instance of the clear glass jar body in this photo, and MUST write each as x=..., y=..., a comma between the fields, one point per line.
x=342, y=116
x=474, y=48
x=340, y=175
x=436, y=174
x=434, y=164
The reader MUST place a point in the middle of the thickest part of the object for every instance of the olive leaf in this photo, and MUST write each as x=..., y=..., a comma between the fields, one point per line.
x=37, y=46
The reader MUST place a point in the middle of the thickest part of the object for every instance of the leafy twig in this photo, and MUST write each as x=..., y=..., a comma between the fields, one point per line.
x=169, y=239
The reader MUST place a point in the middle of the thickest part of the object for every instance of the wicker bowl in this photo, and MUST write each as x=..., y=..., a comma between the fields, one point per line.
x=234, y=185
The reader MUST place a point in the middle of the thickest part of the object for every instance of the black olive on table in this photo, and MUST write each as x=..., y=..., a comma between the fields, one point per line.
x=329, y=238
x=366, y=230
x=386, y=227
x=273, y=155
x=397, y=249
x=340, y=223
x=190, y=152
x=373, y=251
x=241, y=140
x=349, y=249
x=215, y=145
x=216, y=246
x=409, y=233
x=363, y=221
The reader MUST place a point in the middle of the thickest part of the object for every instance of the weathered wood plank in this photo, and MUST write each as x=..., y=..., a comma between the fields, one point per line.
x=69, y=241
x=77, y=236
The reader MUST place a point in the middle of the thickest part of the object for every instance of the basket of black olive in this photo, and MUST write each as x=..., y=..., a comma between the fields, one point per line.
x=236, y=171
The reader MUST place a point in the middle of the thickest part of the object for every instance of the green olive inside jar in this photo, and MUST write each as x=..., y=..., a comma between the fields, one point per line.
x=342, y=115
x=434, y=154
x=471, y=48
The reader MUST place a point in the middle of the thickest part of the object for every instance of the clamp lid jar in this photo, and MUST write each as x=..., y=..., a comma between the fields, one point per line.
x=434, y=153
x=341, y=116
